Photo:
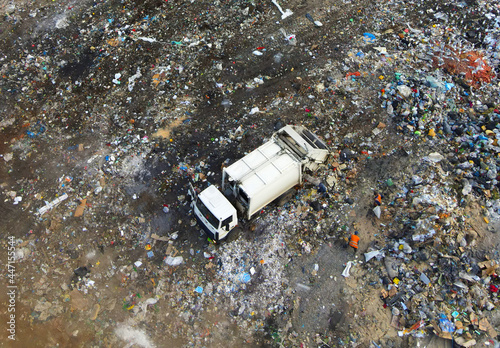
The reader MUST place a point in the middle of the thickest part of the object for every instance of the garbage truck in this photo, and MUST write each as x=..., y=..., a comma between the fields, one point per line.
x=257, y=179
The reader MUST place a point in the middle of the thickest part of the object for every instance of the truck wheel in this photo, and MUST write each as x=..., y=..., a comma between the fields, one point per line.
x=285, y=197
x=234, y=234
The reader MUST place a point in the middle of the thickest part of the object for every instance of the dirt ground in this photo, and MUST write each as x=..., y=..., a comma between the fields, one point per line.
x=114, y=107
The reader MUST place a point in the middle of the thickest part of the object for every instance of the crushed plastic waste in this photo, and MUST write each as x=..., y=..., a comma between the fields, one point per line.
x=109, y=110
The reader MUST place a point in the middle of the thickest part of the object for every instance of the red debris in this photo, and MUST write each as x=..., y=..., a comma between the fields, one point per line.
x=357, y=73
x=470, y=63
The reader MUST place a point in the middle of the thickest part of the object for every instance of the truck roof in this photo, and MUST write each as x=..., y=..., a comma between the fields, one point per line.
x=216, y=202
x=263, y=166
x=252, y=160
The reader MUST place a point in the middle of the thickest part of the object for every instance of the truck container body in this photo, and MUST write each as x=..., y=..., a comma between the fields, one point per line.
x=260, y=177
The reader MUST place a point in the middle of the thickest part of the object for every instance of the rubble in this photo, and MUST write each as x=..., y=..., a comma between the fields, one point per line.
x=110, y=110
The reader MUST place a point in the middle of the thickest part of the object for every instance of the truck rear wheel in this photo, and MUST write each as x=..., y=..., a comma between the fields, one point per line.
x=285, y=197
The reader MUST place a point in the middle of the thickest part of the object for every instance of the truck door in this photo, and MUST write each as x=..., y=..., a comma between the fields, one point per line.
x=226, y=223
x=243, y=195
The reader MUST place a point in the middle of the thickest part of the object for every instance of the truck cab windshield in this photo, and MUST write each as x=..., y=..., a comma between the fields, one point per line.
x=207, y=214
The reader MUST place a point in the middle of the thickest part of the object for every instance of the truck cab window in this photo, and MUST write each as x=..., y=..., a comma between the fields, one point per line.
x=207, y=214
x=226, y=222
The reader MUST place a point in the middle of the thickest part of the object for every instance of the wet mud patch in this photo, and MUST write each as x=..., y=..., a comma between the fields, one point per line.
x=78, y=69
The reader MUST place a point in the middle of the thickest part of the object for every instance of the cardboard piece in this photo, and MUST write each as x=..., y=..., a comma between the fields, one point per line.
x=489, y=271
x=464, y=343
x=473, y=319
x=157, y=237
x=439, y=332
x=484, y=325
x=80, y=208
x=384, y=293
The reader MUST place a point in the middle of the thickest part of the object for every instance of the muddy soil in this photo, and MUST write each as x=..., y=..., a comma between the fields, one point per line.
x=121, y=104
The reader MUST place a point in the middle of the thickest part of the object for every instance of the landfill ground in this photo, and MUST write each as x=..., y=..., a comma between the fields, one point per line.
x=109, y=109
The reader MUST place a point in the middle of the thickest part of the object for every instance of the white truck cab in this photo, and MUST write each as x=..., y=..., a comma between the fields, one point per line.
x=214, y=213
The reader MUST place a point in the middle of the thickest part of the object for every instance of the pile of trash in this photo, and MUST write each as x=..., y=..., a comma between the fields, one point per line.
x=429, y=277
x=109, y=110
